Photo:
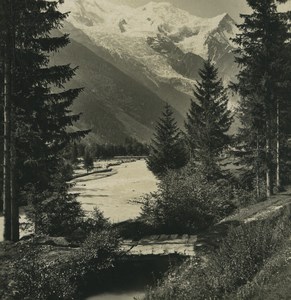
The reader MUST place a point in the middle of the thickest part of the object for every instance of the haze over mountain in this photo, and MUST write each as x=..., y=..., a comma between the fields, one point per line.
x=157, y=47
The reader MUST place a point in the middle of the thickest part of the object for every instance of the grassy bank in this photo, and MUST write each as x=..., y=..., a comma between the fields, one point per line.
x=241, y=256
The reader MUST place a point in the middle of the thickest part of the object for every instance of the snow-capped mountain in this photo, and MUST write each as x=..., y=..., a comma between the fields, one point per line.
x=158, y=44
x=190, y=33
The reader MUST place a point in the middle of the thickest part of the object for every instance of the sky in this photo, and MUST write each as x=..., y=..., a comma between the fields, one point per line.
x=204, y=8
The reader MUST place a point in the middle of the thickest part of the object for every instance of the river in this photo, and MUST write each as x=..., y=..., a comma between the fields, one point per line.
x=118, y=296
x=117, y=195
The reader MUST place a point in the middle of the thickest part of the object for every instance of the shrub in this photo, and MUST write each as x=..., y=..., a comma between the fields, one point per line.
x=38, y=278
x=100, y=249
x=58, y=215
x=241, y=255
x=186, y=202
x=96, y=222
x=244, y=197
x=245, y=250
x=40, y=275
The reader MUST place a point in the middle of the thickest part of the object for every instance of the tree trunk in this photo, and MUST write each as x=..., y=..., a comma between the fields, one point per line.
x=278, y=146
x=258, y=192
x=6, y=146
x=14, y=202
x=10, y=205
x=269, y=191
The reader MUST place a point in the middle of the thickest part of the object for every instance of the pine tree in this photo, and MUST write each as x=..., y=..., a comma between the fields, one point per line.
x=208, y=120
x=167, y=150
x=263, y=57
x=46, y=103
x=42, y=113
x=88, y=160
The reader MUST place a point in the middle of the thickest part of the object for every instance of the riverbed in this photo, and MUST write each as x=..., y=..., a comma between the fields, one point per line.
x=118, y=196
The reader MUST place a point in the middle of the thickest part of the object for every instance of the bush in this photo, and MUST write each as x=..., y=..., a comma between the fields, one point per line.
x=39, y=275
x=98, y=249
x=58, y=215
x=187, y=202
x=38, y=278
x=96, y=222
x=245, y=250
x=241, y=255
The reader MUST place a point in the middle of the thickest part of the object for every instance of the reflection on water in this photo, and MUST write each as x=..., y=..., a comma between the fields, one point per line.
x=118, y=296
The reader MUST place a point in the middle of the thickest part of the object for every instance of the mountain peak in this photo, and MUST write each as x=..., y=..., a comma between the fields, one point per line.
x=226, y=17
x=188, y=32
x=157, y=4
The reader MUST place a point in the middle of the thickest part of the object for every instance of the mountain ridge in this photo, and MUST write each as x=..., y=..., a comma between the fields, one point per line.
x=157, y=45
x=113, y=105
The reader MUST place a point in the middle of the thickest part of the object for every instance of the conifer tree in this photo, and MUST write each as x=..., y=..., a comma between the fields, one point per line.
x=88, y=160
x=42, y=113
x=44, y=105
x=209, y=119
x=263, y=56
x=167, y=150
x=73, y=155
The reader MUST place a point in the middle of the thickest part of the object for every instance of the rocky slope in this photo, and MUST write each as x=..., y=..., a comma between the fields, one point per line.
x=113, y=104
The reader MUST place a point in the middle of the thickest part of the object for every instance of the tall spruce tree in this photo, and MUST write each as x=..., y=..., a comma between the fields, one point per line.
x=46, y=101
x=8, y=61
x=42, y=106
x=167, y=150
x=208, y=120
x=263, y=55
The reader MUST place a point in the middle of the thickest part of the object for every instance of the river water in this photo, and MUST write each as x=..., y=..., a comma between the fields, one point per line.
x=126, y=295
x=131, y=277
x=117, y=196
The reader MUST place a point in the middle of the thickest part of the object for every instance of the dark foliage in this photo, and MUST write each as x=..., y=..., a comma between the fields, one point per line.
x=208, y=120
x=263, y=55
x=42, y=115
x=88, y=160
x=37, y=275
x=167, y=151
x=187, y=202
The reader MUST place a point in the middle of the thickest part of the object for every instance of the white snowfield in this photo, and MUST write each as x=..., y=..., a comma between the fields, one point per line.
x=123, y=32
